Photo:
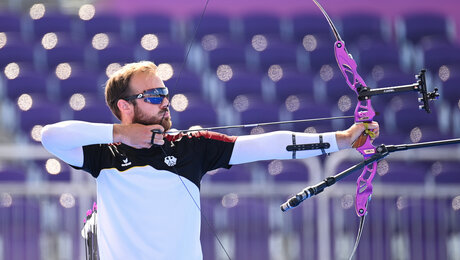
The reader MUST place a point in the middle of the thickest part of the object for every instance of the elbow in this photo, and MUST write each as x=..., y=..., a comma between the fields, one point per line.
x=47, y=136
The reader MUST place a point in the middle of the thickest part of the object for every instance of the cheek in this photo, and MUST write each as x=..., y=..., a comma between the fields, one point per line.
x=146, y=110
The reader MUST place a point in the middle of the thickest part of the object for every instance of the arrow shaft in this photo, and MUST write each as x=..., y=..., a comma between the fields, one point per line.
x=265, y=124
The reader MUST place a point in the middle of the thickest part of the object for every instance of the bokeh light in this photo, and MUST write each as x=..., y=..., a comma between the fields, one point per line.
x=436, y=168
x=179, y=102
x=259, y=42
x=347, y=201
x=100, y=41
x=87, y=12
x=257, y=130
x=444, y=73
x=49, y=41
x=241, y=103
x=5, y=200
x=77, y=102
x=378, y=73
x=230, y=200
x=224, y=73
x=209, y=42
x=416, y=135
x=12, y=70
x=396, y=103
x=344, y=103
x=275, y=167
x=53, y=166
x=37, y=11
x=3, y=39
x=326, y=73
x=401, y=203
x=25, y=102
x=292, y=103
x=165, y=71
x=456, y=203
x=67, y=200
x=309, y=42
x=310, y=130
x=275, y=72
x=149, y=42
x=112, y=68
x=63, y=71
x=382, y=167
x=36, y=133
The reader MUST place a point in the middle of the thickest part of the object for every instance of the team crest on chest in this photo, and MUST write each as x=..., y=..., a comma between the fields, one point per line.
x=170, y=160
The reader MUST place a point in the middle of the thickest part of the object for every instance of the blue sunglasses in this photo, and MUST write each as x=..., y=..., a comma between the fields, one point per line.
x=152, y=96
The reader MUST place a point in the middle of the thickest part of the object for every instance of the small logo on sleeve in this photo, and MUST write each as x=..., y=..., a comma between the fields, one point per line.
x=170, y=160
x=126, y=162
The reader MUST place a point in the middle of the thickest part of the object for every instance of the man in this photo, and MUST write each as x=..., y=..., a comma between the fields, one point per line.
x=148, y=194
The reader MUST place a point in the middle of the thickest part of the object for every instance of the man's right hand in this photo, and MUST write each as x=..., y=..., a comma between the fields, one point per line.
x=137, y=135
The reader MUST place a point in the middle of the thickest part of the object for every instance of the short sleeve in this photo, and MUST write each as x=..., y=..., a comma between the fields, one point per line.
x=93, y=158
x=218, y=151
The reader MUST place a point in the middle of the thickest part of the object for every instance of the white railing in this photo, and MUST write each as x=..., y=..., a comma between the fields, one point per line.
x=331, y=226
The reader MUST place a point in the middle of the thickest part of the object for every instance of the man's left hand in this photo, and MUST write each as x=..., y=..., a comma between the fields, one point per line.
x=346, y=138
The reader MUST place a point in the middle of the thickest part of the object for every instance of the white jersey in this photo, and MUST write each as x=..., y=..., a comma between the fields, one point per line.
x=145, y=209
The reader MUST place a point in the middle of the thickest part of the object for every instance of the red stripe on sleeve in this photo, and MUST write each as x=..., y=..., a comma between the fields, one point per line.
x=205, y=134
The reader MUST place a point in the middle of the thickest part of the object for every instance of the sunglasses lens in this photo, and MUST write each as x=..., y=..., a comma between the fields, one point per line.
x=156, y=95
x=155, y=100
x=157, y=92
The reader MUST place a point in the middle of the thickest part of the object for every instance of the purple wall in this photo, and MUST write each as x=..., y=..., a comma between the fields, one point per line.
x=184, y=8
x=235, y=7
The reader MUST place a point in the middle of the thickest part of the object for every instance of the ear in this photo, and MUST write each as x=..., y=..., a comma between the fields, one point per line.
x=126, y=108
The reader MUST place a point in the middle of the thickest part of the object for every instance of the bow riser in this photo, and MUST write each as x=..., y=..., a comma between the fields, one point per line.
x=347, y=65
x=364, y=112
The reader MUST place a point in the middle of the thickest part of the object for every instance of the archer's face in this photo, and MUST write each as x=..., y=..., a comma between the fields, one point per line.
x=147, y=113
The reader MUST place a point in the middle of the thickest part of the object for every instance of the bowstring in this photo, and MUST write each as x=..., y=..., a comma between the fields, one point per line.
x=358, y=236
x=164, y=152
x=196, y=204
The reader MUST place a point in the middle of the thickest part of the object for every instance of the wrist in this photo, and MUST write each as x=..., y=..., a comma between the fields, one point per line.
x=117, y=133
x=343, y=139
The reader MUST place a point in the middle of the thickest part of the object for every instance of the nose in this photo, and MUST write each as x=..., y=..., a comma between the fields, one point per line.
x=165, y=102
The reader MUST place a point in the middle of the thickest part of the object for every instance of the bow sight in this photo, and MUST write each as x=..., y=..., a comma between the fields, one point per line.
x=364, y=93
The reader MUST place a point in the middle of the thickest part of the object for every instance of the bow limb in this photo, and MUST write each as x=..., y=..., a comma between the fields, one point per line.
x=364, y=112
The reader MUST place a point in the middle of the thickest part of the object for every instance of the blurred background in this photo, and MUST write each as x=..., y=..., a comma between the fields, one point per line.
x=250, y=61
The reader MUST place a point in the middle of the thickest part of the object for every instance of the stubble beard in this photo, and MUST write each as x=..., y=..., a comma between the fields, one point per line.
x=140, y=118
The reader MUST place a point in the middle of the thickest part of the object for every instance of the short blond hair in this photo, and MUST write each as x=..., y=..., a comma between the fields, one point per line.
x=117, y=86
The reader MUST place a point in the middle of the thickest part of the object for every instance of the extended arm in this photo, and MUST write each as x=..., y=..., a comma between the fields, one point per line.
x=273, y=145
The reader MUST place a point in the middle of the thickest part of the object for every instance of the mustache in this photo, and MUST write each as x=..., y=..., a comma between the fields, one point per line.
x=164, y=110
x=162, y=113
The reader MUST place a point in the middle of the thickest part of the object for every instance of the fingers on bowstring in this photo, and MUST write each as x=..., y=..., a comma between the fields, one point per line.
x=157, y=137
